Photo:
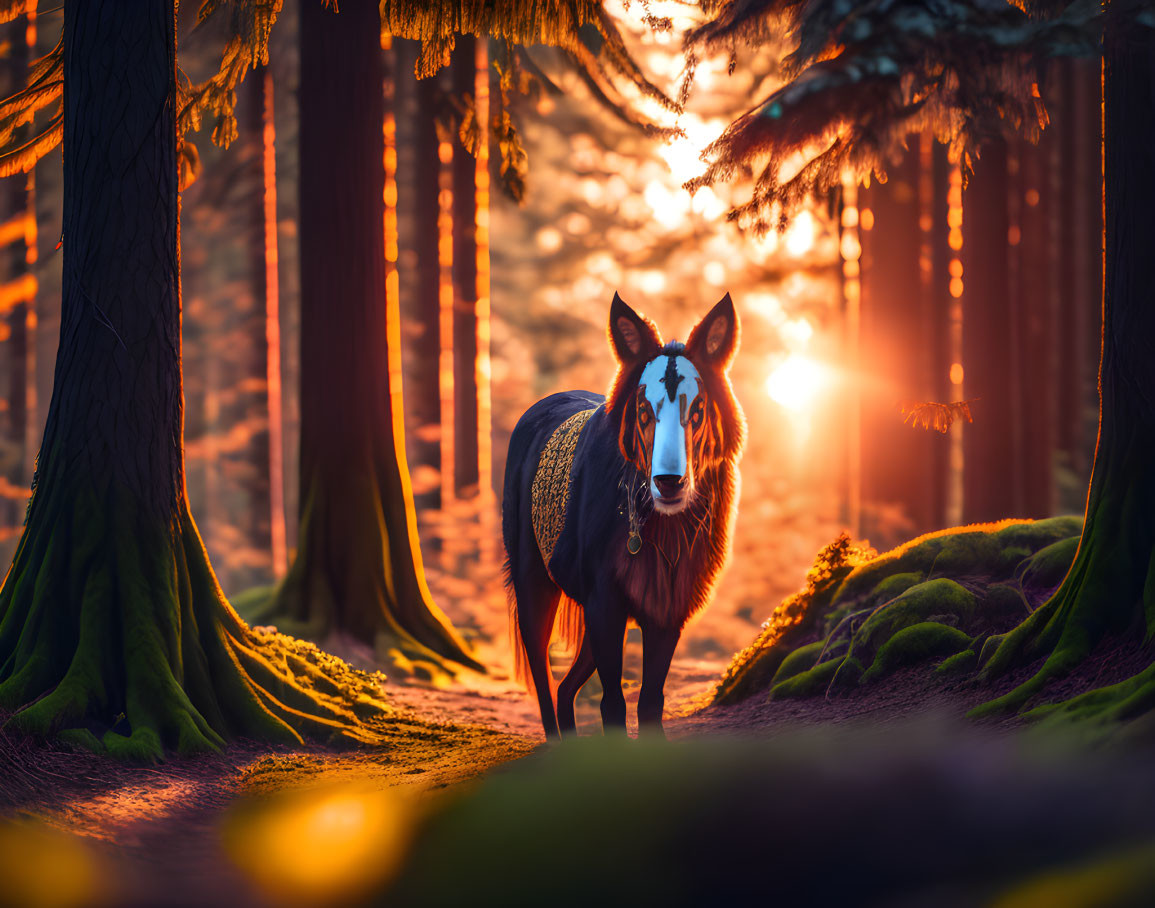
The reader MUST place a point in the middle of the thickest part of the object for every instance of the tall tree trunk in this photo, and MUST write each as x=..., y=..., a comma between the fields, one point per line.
x=897, y=461
x=464, y=74
x=110, y=616
x=272, y=339
x=1111, y=584
x=1080, y=274
x=418, y=195
x=989, y=485
x=1034, y=359
x=266, y=503
x=358, y=568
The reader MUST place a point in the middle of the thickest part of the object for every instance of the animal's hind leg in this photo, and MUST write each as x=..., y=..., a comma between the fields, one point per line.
x=537, y=598
x=579, y=673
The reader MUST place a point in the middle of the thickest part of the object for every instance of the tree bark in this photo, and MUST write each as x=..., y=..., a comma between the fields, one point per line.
x=898, y=461
x=1111, y=584
x=989, y=443
x=1034, y=312
x=111, y=619
x=465, y=475
x=418, y=195
x=358, y=567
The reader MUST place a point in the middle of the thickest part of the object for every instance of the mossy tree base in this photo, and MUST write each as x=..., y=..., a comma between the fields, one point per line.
x=115, y=634
x=358, y=569
x=352, y=586
x=1109, y=588
x=1111, y=585
x=868, y=617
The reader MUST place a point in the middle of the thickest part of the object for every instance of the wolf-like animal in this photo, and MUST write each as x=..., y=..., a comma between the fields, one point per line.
x=621, y=508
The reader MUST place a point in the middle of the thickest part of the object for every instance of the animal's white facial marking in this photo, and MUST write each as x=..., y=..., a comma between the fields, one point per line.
x=665, y=375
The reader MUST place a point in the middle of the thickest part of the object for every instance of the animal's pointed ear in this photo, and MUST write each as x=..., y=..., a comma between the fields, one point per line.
x=633, y=338
x=714, y=339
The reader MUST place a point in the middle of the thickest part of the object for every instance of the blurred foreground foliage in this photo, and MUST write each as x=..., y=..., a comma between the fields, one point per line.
x=919, y=814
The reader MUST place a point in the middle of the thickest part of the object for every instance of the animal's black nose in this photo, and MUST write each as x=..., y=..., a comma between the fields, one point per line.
x=669, y=485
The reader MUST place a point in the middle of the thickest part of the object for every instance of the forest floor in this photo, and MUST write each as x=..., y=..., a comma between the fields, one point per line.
x=86, y=830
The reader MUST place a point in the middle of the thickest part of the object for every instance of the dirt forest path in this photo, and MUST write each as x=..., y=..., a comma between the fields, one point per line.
x=159, y=833
x=156, y=832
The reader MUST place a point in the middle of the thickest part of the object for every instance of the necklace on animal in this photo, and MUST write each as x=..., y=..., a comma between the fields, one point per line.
x=634, y=542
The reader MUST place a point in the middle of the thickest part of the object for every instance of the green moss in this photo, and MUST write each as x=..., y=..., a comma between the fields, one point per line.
x=849, y=674
x=914, y=644
x=808, y=683
x=143, y=641
x=935, y=599
x=972, y=550
x=1038, y=534
x=1004, y=600
x=989, y=558
x=796, y=617
x=1047, y=568
x=802, y=659
x=896, y=585
x=752, y=670
x=81, y=739
x=958, y=664
x=971, y=553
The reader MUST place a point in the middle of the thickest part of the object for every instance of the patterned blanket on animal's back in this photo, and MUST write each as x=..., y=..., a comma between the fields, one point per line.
x=551, y=482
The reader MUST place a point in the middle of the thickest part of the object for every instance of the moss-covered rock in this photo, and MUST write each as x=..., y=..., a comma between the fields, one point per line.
x=849, y=674
x=1004, y=600
x=795, y=621
x=932, y=600
x=808, y=683
x=961, y=551
x=914, y=644
x=802, y=659
x=896, y=585
x=1047, y=567
x=978, y=579
x=958, y=664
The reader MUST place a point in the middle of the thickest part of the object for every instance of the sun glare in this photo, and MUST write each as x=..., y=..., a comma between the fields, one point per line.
x=316, y=846
x=796, y=382
x=801, y=234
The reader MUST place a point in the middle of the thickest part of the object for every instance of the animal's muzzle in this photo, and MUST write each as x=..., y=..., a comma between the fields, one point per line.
x=670, y=486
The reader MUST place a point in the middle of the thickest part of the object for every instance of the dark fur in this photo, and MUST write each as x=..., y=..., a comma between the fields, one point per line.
x=674, y=574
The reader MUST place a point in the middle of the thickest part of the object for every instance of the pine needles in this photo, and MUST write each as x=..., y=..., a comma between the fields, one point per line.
x=582, y=29
x=933, y=415
x=45, y=88
x=864, y=76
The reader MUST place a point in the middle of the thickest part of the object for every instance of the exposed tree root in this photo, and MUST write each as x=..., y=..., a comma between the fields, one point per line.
x=116, y=635
x=1110, y=587
x=350, y=575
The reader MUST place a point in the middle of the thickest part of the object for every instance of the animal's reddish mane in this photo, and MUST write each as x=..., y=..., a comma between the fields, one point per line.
x=674, y=594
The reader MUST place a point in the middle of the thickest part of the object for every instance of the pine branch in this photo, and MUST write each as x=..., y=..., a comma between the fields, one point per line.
x=24, y=157
x=933, y=415
x=864, y=76
x=250, y=22
x=577, y=27
x=11, y=10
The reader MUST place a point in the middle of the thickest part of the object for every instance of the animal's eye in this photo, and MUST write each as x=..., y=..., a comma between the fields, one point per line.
x=697, y=413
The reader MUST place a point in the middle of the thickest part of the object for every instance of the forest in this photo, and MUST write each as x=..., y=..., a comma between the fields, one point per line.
x=331, y=576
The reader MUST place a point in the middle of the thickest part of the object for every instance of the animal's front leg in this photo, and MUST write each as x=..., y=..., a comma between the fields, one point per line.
x=658, y=645
x=606, y=632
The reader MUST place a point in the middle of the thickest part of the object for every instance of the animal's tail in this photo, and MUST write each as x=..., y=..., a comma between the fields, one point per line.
x=568, y=627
